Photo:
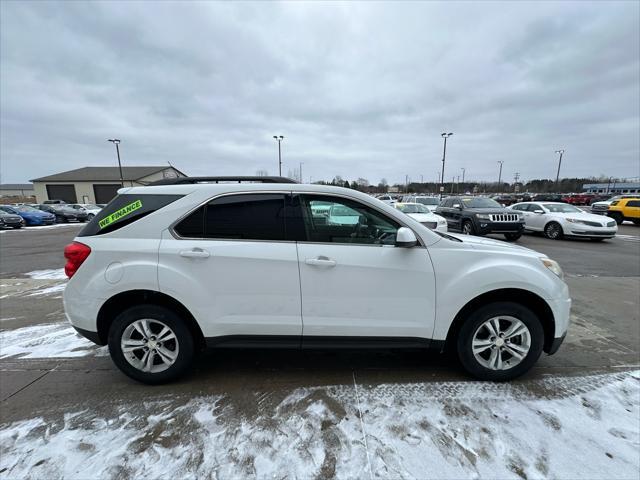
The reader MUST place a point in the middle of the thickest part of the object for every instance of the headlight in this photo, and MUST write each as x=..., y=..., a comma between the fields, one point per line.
x=575, y=220
x=553, y=266
x=483, y=216
x=441, y=222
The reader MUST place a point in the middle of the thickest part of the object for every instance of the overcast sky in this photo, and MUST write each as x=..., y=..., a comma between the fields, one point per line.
x=357, y=89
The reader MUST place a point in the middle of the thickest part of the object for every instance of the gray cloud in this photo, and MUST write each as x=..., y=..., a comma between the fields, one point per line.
x=358, y=89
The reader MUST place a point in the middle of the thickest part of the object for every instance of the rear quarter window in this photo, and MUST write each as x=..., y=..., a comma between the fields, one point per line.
x=124, y=210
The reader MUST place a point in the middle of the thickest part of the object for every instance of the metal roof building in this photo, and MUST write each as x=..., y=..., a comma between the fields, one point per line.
x=97, y=184
x=612, y=187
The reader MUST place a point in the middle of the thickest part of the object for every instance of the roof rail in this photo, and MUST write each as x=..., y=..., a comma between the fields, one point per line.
x=191, y=180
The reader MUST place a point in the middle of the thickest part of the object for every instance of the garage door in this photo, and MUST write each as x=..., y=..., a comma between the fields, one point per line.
x=62, y=192
x=104, y=193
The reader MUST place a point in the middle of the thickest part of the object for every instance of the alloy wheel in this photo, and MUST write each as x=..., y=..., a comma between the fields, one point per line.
x=466, y=228
x=553, y=231
x=149, y=345
x=501, y=343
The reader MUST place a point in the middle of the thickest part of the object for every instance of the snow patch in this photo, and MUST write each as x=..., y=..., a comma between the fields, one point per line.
x=57, y=274
x=50, y=290
x=51, y=340
x=317, y=432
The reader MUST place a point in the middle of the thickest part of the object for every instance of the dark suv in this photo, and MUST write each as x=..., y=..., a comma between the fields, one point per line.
x=480, y=215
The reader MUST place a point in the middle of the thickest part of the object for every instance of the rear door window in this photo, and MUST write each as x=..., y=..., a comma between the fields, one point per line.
x=246, y=217
x=123, y=210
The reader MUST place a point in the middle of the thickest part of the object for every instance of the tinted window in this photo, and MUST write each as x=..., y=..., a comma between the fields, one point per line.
x=246, y=217
x=123, y=210
x=633, y=203
x=338, y=220
x=193, y=225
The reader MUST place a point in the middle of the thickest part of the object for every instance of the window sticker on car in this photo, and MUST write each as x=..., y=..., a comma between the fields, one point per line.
x=118, y=214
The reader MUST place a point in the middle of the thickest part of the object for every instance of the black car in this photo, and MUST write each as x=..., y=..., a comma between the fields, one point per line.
x=10, y=220
x=63, y=213
x=548, y=197
x=479, y=216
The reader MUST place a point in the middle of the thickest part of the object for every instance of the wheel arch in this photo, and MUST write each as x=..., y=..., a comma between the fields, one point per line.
x=524, y=297
x=124, y=300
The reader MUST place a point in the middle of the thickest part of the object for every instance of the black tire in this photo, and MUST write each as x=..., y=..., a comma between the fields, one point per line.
x=186, y=350
x=19, y=226
x=617, y=217
x=512, y=237
x=473, y=323
x=553, y=230
x=468, y=228
x=636, y=222
x=90, y=217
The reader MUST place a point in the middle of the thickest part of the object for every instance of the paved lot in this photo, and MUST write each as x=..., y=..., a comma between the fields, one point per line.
x=66, y=411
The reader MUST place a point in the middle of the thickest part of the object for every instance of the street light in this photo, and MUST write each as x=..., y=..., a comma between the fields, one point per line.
x=444, y=157
x=463, y=170
x=559, y=163
x=500, y=174
x=279, y=139
x=301, y=181
x=116, y=142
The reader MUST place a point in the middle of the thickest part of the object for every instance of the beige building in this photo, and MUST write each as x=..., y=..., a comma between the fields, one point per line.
x=97, y=184
x=16, y=190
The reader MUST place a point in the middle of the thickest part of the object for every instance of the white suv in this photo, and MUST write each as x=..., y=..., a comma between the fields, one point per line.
x=166, y=270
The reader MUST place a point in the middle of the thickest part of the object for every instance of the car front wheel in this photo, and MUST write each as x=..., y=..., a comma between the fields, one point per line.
x=151, y=344
x=467, y=228
x=553, y=230
x=500, y=341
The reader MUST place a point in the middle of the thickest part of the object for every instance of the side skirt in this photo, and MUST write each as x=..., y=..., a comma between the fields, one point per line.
x=321, y=342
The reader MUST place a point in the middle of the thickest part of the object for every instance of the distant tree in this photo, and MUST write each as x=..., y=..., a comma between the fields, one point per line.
x=262, y=173
x=362, y=182
x=346, y=184
x=337, y=180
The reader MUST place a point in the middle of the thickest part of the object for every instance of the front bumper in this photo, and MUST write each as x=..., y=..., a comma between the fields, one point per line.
x=487, y=226
x=555, y=345
x=588, y=231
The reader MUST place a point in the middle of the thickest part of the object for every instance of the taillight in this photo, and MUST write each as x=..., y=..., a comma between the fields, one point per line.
x=75, y=253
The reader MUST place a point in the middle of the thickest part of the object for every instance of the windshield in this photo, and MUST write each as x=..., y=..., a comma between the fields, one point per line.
x=561, y=208
x=480, y=202
x=25, y=208
x=413, y=208
x=428, y=201
x=6, y=209
x=91, y=206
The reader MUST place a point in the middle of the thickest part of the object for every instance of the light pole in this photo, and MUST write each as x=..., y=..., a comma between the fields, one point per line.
x=301, y=181
x=279, y=139
x=559, y=163
x=463, y=170
x=444, y=157
x=116, y=142
x=500, y=174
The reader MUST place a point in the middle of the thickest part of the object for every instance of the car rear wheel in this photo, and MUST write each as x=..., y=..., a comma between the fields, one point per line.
x=467, y=227
x=553, y=230
x=151, y=344
x=500, y=341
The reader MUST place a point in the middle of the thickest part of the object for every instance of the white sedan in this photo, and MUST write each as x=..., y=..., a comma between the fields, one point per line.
x=422, y=214
x=91, y=209
x=557, y=220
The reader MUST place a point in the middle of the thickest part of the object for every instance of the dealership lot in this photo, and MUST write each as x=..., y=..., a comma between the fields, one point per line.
x=357, y=414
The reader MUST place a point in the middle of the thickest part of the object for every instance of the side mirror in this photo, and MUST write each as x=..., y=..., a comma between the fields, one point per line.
x=405, y=238
x=538, y=211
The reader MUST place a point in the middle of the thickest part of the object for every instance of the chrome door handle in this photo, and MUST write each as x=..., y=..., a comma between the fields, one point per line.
x=194, y=253
x=321, y=262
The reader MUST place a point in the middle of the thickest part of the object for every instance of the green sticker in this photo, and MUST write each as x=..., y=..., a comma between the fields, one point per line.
x=123, y=212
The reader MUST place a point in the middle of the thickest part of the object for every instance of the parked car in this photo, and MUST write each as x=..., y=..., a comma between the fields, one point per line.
x=90, y=209
x=428, y=201
x=10, y=220
x=504, y=200
x=548, y=197
x=557, y=220
x=578, y=198
x=422, y=214
x=166, y=270
x=388, y=199
x=54, y=202
x=601, y=207
x=480, y=216
x=30, y=215
x=63, y=213
x=625, y=209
